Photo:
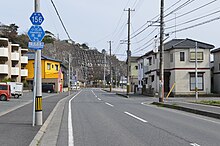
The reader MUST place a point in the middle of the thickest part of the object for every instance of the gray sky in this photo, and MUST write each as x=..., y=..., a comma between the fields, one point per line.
x=97, y=21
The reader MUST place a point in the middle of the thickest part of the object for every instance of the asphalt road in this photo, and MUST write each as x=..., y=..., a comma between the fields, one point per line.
x=99, y=118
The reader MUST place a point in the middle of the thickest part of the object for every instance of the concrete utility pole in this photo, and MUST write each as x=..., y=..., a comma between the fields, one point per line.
x=104, y=68
x=38, y=99
x=69, y=76
x=196, y=71
x=129, y=51
x=161, y=66
x=110, y=60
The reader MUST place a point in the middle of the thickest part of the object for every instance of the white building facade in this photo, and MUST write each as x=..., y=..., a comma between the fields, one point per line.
x=12, y=61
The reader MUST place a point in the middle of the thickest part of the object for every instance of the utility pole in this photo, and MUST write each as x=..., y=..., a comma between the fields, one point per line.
x=110, y=60
x=128, y=51
x=69, y=76
x=161, y=66
x=104, y=67
x=196, y=71
x=38, y=98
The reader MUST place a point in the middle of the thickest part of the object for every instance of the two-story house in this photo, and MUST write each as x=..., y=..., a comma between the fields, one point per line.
x=179, y=67
x=216, y=71
x=12, y=61
x=50, y=70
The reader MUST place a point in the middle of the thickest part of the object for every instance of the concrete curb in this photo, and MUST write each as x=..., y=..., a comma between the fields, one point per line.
x=123, y=95
x=186, y=109
x=41, y=132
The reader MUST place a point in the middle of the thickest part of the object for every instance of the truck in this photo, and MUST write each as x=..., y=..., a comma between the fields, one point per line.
x=5, y=92
x=16, y=89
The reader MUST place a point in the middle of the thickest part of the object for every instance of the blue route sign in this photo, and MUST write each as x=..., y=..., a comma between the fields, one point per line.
x=36, y=33
x=36, y=45
x=36, y=18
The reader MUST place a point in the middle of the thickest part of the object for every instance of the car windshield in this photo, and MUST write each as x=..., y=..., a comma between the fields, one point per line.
x=3, y=87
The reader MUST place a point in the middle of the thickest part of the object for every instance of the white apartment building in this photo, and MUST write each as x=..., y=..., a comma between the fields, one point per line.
x=179, y=68
x=12, y=61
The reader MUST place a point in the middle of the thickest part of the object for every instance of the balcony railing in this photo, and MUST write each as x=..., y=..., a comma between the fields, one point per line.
x=3, y=69
x=24, y=59
x=3, y=52
x=15, y=71
x=24, y=72
x=15, y=56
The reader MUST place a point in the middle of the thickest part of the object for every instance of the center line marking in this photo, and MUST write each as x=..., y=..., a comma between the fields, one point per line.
x=109, y=104
x=140, y=119
x=194, y=144
x=99, y=99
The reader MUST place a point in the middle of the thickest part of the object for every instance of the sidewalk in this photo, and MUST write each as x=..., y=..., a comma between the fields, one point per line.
x=187, y=105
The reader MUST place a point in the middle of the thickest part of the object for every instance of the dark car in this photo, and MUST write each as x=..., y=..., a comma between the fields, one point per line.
x=49, y=88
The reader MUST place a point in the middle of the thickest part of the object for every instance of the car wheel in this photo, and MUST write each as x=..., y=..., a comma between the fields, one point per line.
x=3, y=98
x=16, y=96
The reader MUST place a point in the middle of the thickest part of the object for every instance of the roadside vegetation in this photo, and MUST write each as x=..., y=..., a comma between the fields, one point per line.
x=209, y=102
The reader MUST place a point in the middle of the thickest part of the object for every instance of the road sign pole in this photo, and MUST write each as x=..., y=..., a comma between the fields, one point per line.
x=38, y=98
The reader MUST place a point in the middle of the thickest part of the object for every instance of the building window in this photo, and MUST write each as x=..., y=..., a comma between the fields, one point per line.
x=146, y=80
x=200, y=82
x=171, y=57
x=150, y=60
x=48, y=66
x=193, y=56
x=182, y=56
x=56, y=67
x=152, y=78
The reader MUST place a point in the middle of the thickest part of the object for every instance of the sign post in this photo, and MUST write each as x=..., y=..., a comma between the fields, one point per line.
x=36, y=35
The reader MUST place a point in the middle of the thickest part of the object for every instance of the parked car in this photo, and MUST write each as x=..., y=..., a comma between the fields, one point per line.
x=5, y=92
x=49, y=88
x=16, y=89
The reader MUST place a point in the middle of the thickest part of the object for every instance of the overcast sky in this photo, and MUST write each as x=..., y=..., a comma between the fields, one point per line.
x=97, y=21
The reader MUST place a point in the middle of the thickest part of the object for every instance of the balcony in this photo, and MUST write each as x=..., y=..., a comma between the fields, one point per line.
x=15, y=56
x=15, y=71
x=3, y=69
x=24, y=60
x=24, y=72
x=3, y=52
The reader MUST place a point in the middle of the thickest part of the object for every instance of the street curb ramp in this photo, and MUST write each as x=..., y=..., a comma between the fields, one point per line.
x=186, y=109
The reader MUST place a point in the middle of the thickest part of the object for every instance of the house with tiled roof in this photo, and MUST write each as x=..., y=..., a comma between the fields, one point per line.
x=50, y=70
x=179, y=68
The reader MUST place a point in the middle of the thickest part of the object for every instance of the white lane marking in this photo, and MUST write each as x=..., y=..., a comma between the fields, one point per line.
x=70, y=124
x=140, y=119
x=194, y=144
x=94, y=94
x=184, y=113
x=109, y=104
x=99, y=99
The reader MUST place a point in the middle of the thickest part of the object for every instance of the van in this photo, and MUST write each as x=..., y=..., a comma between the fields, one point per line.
x=5, y=92
x=49, y=88
x=16, y=89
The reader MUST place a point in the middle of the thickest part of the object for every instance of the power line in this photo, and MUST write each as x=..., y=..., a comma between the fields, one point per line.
x=198, y=8
x=180, y=7
x=192, y=20
x=61, y=20
x=144, y=25
x=199, y=24
x=146, y=36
